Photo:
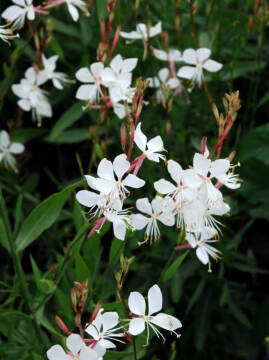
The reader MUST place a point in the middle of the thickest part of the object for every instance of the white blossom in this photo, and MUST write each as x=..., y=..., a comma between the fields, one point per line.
x=149, y=148
x=8, y=149
x=77, y=350
x=93, y=78
x=137, y=306
x=72, y=6
x=200, y=59
x=172, y=55
x=49, y=73
x=142, y=32
x=163, y=83
x=158, y=210
x=6, y=33
x=16, y=14
x=32, y=97
x=104, y=329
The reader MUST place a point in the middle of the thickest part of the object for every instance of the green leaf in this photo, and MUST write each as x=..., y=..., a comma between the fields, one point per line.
x=41, y=218
x=241, y=69
x=116, y=249
x=46, y=286
x=101, y=6
x=196, y=295
x=68, y=118
x=264, y=100
x=25, y=135
x=171, y=270
x=238, y=313
x=82, y=270
x=71, y=136
x=3, y=236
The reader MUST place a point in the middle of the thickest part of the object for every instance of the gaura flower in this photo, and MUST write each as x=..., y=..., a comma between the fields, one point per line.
x=16, y=14
x=170, y=55
x=7, y=149
x=49, y=73
x=137, y=306
x=163, y=83
x=93, y=77
x=104, y=329
x=77, y=350
x=199, y=58
x=72, y=6
x=149, y=148
x=6, y=34
x=142, y=32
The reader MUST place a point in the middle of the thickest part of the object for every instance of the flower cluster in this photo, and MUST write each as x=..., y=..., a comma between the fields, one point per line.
x=32, y=97
x=8, y=149
x=103, y=330
x=115, y=79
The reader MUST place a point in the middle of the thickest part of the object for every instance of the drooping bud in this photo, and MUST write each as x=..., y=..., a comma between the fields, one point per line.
x=62, y=325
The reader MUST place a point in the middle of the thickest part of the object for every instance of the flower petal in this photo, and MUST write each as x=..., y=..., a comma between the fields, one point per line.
x=155, y=30
x=87, y=353
x=16, y=148
x=190, y=56
x=105, y=170
x=109, y=320
x=164, y=187
x=219, y=167
x=120, y=165
x=136, y=303
x=212, y=65
x=4, y=139
x=74, y=343
x=133, y=181
x=139, y=221
x=87, y=198
x=119, y=229
x=73, y=11
x=97, y=68
x=140, y=139
x=202, y=255
x=167, y=322
x=87, y=92
x=160, y=54
x=133, y=35
x=175, y=170
x=56, y=352
x=129, y=64
x=136, y=326
x=203, y=54
x=144, y=206
x=155, y=144
x=187, y=72
x=163, y=75
x=201, y=164
x=155, y=299
x=84, y=75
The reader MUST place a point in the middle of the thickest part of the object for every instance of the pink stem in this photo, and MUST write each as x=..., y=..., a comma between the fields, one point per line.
x=38, y=9
x=183, y=246
x=54, y=3
x=97, y=225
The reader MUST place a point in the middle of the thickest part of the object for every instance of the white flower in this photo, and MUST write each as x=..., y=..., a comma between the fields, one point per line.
x=201, y=241
x=163, y=83
x=92, y=91
x=49, y=73
x=72, y=8
x=142, y=32
x=137, y=306
x=7, y=148
x=119, y=72
x=199, y=58
x=77, y=350
x=149, y=148
x=16, y=13
x=170, y=55
x=103, y=329
x=159, y=209
x=115, y=187
x=93, y=200
x=32, y=97
x=119, y=219
x=6, y=33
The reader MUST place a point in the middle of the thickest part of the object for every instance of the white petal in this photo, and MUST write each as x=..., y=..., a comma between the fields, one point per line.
x=19, y=90
x=87, y=353
x=173, y=83
x=129, y=64
x=212, y=65
x=31, y=75
x=175, y=170
x=191, y=240
x=19, y=2
x=110, y=320
x=91, y=330
x=4, y=139
x=190, y=56
x=24, y=104
x=187, y=72
x=16, y=148
x=167, y=322
x=219, y=167
x=84, y=75
x=175, y=55
x=119, y=229
x=31, y=14
x=97, y=68
x=99, y=350
x=74, y=343
x=12, y=12
x=87, y=198
x=106, y=344
x=144, y=206
x=136, y=326
x=167, y=218
x=133, y=35
x=154, y=82
x=56, y=352
x=139, y=221
x=133, y=181
x=191, y=179
x=202, y=255
x=155, y=30
x=136, y=303
x=155, y=299
x=164, y=187
x=119, y=110
x=87, y=92
x=103, y=185
x=154, y=157
x=105, y=170
x=140, y=139
x=120, y=165
x=108, y=76
x=73, y=11
x=201, y=164
x=155, y=144
x=160, y=54
x=116, y=63
x=203, y=54
x=163, y=75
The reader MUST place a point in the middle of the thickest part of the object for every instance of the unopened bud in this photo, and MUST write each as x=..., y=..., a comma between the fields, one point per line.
x=203, y=145
x=62, y=325
x=123, y=136
x=74, y=299
x=96, y=310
